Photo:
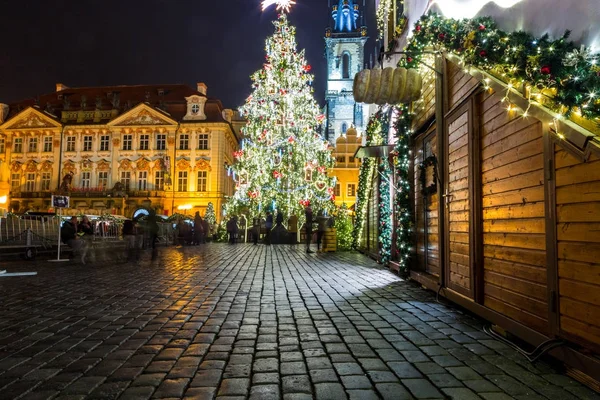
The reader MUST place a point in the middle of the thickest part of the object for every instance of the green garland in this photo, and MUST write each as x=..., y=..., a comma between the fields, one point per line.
x=343, y=227
x=539, y=66
x=385, y=212
x=365, y=178
x=403, y=207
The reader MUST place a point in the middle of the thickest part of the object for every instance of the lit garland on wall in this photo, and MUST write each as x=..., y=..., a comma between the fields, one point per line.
x=365, y=179
x=382, y=14
x=402, y=206
x=385, y=206
x=540, y=68
x=343, y=228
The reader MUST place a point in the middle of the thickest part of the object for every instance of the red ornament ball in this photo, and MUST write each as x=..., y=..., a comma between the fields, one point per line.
x=442, y=36
x=483, y=53
x=545, y=70
x=418, y=28
x=481, y=27
x=307, y=68
x=409, y=59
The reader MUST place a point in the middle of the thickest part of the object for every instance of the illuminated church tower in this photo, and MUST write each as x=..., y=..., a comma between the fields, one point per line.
x=344, y=50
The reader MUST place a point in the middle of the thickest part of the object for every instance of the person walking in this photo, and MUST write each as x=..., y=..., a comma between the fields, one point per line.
x=321, y=227
x=268, y=227
x=308, y=227
x=198, y=229
x=205, y=230
x=129, y=238
x=231, y=229
x=255, y=230
x=152, y=224
x=68, y=234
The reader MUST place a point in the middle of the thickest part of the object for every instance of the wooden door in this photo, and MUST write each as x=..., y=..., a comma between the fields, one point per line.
x=426, y=205
x=461, y=152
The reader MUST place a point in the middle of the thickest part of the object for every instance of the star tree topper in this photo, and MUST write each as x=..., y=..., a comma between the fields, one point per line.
x=282, y=5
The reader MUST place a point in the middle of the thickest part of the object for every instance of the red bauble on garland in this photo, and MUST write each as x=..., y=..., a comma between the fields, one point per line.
x=545, y=70
x=483, y=53
x=307, y=68
x=418, y=28
x=481, y=27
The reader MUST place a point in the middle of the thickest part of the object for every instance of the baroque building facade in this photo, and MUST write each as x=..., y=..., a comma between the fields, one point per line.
x=165, y=147
x=344, y=50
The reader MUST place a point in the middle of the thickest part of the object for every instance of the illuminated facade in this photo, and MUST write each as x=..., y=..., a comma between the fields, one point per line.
x=346, y=168
x=344, y=50
x=166, y=147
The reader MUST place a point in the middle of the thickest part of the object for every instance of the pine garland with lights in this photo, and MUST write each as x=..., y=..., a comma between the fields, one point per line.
x=282, y=162
x=540, y=67
x=343, y=227
x=385, y=211
x=402, y=206
x=365, y=178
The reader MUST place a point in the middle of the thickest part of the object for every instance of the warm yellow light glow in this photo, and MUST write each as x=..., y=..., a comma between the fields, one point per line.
x=184, y=207
x=459, y=9
x=282, y=5
x=3, y=199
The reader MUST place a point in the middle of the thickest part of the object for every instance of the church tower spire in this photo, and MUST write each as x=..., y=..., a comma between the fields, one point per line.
x=344, y=50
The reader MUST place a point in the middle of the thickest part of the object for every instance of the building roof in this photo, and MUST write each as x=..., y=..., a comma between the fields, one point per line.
x=169, y=98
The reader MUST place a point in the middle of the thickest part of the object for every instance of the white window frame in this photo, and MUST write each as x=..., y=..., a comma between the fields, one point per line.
x=161, y=141
x=182, y=181
x=203, y=141
x=15, y=180
x=142, y=180
x=127, y=142
x=202, y=181
x=159, y=180
x=32, y=146
x=48, y=144
x=126, y=179
x=46, y=180
x=104, y=143
x=86, y=179
x=184, y=138
x=144, y=142
x=30, y=182
x=103, y=179
x=351, y=190
x=87, y=143
x=18, y=145
x=71, y=143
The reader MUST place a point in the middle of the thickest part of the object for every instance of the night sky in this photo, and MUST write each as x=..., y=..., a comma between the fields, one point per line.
x=126, y=42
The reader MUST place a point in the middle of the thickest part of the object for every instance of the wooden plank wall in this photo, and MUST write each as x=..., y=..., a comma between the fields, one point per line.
x=459, y=209
x=426, y=213
x=512, y=168
x=578, y=236
x=424, y=108
x=459, y=84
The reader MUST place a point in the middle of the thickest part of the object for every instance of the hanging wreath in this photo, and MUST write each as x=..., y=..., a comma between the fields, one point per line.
x=429, y=173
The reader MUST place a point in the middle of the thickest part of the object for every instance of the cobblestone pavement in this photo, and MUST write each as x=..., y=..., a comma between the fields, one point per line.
x=244, y=321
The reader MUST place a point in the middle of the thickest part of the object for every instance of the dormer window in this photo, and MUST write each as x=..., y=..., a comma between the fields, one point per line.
x=195, y=108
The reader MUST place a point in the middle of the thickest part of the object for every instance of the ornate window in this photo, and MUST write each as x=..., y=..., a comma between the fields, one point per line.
x=184, y=141
x=104, y=142
x=33, y=145
x=127, y=140
x=103, y=179
x=159, y=180
x=47, y=144
x=161, y=141
x=126, y=179
x=70, y=143
x=30, y=182
x=142, y=180
x=351, y=190
x=344, y=128
x=182, y=181
x=87, y=143
x=144, y=142
x=195, y=108
x=18, y=145
x=346, y=66
x=202, y=181
x=337, y=190
x=15, y=181
x=203, y=141
x=46, y=178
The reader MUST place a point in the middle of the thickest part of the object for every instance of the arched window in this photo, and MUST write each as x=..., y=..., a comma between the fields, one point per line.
x=344, y=128
x=346, y=66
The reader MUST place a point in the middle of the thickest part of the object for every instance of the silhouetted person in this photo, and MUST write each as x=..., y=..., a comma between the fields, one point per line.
x=268, y=227
x=308, y=227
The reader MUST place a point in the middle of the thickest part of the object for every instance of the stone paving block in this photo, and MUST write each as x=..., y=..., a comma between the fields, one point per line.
x=404, y=370
x=460, y=394
x=422, y=389
x=296, y=384
x=109, y=390
x=84, y=385
x=393, y=391
x=330, y=391
x=323, y=375
x=265, y=377
x=348, y=369
x=149, y=380
x=362, y=394
x=356, y=382
x=292, y=368
x=264, y=392
x=234, y=386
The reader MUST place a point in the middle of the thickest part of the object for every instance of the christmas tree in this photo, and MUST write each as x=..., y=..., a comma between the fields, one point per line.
x=282, y=161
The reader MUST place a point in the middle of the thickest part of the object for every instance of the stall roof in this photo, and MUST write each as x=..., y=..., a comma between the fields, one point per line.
x=374, y=151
